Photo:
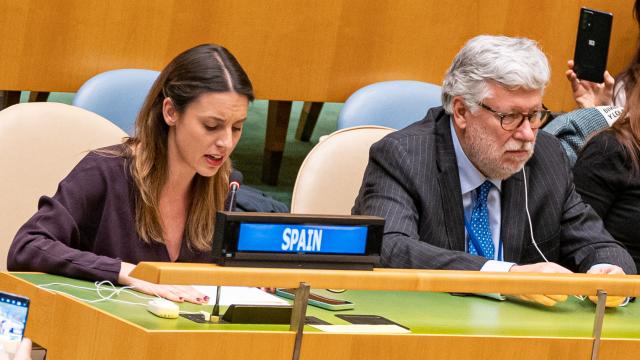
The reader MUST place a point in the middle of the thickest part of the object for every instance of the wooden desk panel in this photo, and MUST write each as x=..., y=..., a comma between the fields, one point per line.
x=615, y=349
x=292, y=50
x=364, y=347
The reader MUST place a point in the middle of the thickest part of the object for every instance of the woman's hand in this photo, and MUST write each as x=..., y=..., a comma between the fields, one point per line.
x=177, y=293
x=588, y=94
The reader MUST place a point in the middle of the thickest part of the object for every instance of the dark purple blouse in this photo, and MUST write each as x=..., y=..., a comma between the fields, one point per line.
x=88, y=227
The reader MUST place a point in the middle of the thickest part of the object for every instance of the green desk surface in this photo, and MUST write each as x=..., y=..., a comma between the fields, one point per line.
x=423, y=313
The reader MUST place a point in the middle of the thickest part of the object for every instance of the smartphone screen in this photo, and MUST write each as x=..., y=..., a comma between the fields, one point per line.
x=592, y=45
x=13, y=318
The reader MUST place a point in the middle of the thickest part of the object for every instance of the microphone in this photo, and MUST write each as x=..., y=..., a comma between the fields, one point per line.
x=215, y=313
x=233, y=189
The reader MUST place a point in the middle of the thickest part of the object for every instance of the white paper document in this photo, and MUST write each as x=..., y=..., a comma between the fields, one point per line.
x=240, y=295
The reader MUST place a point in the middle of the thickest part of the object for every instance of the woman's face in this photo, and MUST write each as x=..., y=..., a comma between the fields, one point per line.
x=203, y=136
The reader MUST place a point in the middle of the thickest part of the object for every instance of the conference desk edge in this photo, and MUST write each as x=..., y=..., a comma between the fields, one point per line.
x=390, y=279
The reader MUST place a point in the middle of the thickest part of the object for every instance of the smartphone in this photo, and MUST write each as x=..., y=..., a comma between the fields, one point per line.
x=13, y=319
x=369, y=320
x=318, y=300
x=592, y=45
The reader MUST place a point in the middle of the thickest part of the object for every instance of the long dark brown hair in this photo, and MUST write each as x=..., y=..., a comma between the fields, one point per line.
x=627, y=128
x=629, y=76
x=202, y=69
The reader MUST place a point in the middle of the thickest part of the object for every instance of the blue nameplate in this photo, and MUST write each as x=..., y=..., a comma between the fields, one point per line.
x=290, y=238
x=297, y=240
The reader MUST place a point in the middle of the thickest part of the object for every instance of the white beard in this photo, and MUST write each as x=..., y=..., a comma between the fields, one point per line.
x=489, y=157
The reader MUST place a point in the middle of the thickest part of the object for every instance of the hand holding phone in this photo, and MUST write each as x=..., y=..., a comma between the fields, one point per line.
x=13, y=320
x=588, y=94
x=23, y=351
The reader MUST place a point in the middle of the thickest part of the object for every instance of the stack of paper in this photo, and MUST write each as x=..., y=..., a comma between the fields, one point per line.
x=240, y=295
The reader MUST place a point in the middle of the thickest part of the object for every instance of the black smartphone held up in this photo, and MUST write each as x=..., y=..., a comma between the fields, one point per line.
x=592, y=45
x=13, y=319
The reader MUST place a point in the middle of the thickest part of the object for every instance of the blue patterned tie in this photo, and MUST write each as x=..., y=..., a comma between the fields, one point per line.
x=480, y=222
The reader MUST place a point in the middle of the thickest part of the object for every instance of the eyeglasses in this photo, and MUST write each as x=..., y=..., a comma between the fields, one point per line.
x=512, y=121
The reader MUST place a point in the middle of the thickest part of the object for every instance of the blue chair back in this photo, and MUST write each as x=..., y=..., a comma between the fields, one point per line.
x=117, y=95
x=393, y=104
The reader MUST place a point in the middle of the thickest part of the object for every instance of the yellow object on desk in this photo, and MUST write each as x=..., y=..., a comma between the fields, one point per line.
x=612, y=301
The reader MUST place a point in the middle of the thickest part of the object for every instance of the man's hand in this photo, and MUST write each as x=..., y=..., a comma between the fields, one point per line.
x=543, y=267
x=612, y=301
x=606, y=269
x=589, y=94
x=546, y=300
x=178, y=293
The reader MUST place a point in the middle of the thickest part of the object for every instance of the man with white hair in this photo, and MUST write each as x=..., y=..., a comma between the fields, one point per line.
x=463, y=188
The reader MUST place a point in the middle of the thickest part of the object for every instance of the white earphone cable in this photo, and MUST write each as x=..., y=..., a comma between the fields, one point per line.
x=101, y=286
x=533, y=241
x=526, y=207
x=111, y=291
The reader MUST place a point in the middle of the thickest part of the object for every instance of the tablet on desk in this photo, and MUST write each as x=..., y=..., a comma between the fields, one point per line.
x=318, y=300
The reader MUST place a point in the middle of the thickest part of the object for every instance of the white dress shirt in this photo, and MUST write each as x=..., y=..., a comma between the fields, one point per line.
x=470, y=179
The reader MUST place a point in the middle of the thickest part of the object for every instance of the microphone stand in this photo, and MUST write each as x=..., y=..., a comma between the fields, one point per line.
x=233, y=189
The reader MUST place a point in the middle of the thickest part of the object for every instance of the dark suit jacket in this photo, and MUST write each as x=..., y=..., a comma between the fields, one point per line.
x=575, y=127
x=412, y=181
